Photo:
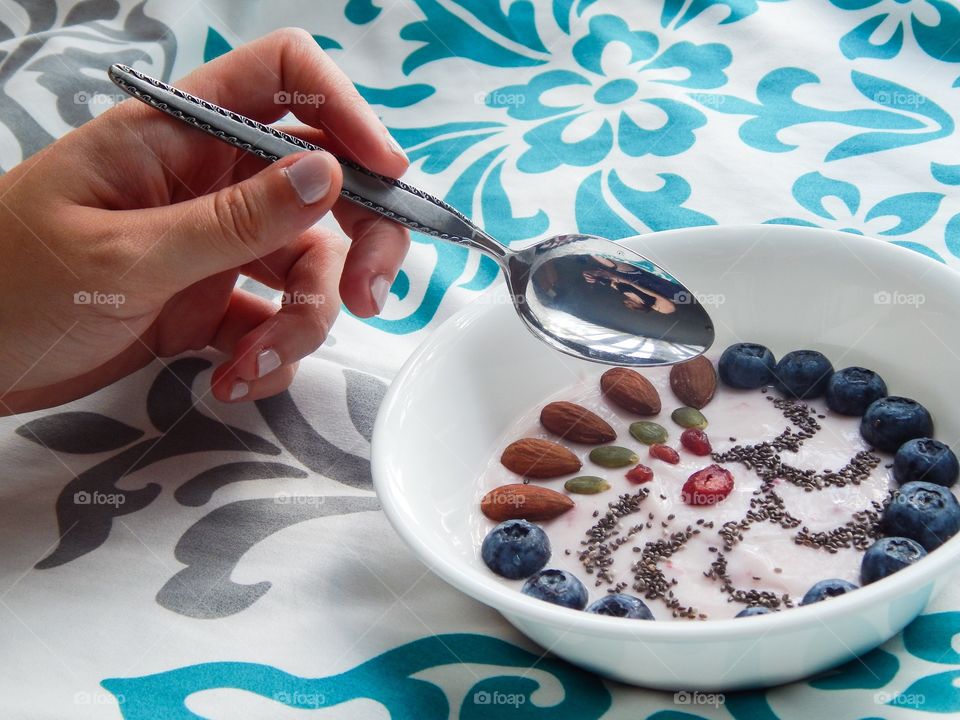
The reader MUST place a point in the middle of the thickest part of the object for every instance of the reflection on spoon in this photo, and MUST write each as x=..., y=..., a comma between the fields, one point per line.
x=598, y=300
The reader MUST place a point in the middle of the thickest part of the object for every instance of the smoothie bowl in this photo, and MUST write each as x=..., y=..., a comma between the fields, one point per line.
x=678, y=518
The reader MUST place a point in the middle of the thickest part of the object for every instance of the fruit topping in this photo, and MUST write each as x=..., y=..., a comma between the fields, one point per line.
x=707, y=486
x=826, y=589
x=746, y=366
x=640, y=474
x=665, y=453
x=889, y=422
x=696, y=441
x=922, y=511
x=888, y=555
x=620, y=605
x=558, y=587
x=803, y=374
x=851, y=390
x=515, y=549
x=927, y=460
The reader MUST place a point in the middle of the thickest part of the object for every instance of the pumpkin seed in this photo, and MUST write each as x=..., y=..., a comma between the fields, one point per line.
x=688, y=417
x=586, y=485
x=613, y=456
x=649, y=433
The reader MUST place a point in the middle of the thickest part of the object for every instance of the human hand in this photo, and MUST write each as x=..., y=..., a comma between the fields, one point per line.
x=123, y=240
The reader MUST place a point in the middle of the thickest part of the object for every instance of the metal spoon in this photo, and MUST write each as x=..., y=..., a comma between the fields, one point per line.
x=581, y=294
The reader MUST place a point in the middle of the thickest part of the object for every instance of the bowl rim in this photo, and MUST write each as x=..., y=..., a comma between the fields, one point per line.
x=507, y=600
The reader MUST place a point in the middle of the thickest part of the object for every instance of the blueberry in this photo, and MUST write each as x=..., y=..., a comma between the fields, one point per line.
x=753, y=610
x=827, y=589
x=558, y=587
x=851, y=390
x=924, y=512
x=515, y=549
x=620, y=605
x=803, y=374
x=887, y=555
x=925, y=459
x=746, y=366
x=889, y=422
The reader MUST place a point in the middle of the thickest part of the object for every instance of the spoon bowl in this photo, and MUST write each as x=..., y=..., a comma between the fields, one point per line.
x=582, y=295
x=595, y=299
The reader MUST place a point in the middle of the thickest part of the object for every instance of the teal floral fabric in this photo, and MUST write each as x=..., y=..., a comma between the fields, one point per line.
x=639, y=111
x=170, y=558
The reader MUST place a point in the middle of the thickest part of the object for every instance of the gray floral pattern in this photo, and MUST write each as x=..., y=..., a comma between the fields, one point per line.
x=74, y=75
x=90, y=502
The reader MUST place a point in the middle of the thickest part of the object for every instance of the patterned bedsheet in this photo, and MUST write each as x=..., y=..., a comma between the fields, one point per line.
x=166, y=556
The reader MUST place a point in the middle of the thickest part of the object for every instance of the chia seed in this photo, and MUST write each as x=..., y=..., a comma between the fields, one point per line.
x=604, y=537
x=650, y=580
x=858, y=532
x=766, y=598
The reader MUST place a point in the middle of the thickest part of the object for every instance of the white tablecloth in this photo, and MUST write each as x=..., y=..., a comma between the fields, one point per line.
x=166, y=556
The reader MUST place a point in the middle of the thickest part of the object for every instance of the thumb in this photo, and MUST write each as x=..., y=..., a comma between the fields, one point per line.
x=228, y=228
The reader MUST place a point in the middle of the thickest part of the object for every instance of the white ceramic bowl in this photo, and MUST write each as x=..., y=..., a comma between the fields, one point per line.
x=787, y=287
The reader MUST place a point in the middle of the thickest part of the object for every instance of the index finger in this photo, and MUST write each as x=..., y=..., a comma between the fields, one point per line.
x=286, y=71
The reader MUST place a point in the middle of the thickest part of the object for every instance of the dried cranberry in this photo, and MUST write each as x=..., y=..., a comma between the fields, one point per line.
x=640, y=474
x=696, y=441
x=665, y=453
x=708, y=486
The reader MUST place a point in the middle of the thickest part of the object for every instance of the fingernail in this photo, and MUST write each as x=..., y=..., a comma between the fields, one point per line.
x=239, y=390
x=310, y=177
x=395, y=146
x=379, y=289
x=267, y=361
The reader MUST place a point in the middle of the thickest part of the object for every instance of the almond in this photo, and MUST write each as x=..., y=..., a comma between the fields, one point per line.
x=526, y=502
x=575, y=423
x=535, y=458
x=630, y=390
x=694, y=382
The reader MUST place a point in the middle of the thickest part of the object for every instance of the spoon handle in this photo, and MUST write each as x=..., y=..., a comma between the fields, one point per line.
x=395, y=200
